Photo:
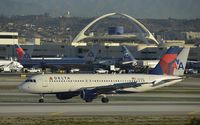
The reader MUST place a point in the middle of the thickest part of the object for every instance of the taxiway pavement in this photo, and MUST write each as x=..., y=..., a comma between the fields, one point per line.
x=120, y=108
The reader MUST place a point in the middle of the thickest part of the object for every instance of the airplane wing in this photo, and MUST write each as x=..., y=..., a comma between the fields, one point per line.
x=109, y=88
x=164, y=81
x=6, y=64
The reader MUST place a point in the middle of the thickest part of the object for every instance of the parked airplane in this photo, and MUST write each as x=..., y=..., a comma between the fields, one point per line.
x=89, y=86
x=129, y=59
x=10, y=65
x=54, y=62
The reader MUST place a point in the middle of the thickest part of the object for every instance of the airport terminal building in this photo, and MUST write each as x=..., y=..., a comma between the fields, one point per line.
x=140, y=41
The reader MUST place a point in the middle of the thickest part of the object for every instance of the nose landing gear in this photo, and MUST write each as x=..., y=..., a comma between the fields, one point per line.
x=41, y=100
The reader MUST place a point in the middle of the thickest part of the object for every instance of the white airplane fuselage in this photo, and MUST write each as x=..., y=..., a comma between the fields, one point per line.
x=56, y=83
x=143, y=63
x=5, y=62
x=11, y=65
x=148, y=63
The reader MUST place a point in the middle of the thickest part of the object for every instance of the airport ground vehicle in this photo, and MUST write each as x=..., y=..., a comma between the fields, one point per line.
x=32, y=70
x=101, y=71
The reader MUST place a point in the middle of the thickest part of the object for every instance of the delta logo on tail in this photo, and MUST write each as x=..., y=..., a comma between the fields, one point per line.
x=21, y=54
x=19, y=51
x=169, y=63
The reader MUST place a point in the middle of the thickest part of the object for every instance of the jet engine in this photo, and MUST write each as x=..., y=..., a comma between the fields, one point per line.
x=89, y=94
x=67, y=95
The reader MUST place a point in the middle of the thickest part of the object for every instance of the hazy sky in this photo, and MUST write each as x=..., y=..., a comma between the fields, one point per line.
x=90, y=8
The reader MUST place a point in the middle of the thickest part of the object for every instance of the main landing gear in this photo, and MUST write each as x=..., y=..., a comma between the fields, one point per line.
x=104, y=99
x=41, y=100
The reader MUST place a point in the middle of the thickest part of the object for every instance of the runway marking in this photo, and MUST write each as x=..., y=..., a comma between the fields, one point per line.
x=194, y=112
x=56, y=113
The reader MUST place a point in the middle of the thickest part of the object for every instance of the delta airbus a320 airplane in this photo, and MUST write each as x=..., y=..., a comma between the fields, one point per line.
x=89, y=86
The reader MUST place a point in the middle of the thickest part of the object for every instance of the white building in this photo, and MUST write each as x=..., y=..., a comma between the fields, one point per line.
x=8, y=38
x=192, y=35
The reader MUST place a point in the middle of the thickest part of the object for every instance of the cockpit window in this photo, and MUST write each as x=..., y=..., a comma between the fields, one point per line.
x=30, y=80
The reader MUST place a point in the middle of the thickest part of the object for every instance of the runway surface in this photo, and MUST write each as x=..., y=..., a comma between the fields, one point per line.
x=116, y=108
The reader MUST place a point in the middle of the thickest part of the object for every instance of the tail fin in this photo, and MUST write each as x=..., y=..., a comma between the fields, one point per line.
x=171, y=62
x=127, y=56
x=181, y=61
x=21, y=54
x=91, y=55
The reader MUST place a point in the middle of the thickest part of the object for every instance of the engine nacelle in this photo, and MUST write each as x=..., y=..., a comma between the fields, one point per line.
x=89, y=95
x=67, y=95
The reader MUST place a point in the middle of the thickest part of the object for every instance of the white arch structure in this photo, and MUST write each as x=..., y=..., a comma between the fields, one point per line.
x=82, y=35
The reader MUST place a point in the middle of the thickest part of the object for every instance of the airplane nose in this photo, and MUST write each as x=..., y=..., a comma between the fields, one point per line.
x=23, y=87
x=20, y=66
x=20, y=87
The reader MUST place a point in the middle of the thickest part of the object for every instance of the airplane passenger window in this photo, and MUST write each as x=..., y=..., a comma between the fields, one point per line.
x=30, y=80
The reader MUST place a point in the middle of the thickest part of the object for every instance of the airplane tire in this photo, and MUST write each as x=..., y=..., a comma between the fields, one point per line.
x=104, y=100
x=41, y=100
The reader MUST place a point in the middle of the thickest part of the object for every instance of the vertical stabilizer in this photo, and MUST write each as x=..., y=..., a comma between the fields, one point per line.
x=181, y=61
x=21, y=54
x=92, y=54
x=127, y=56
x=172, y=62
